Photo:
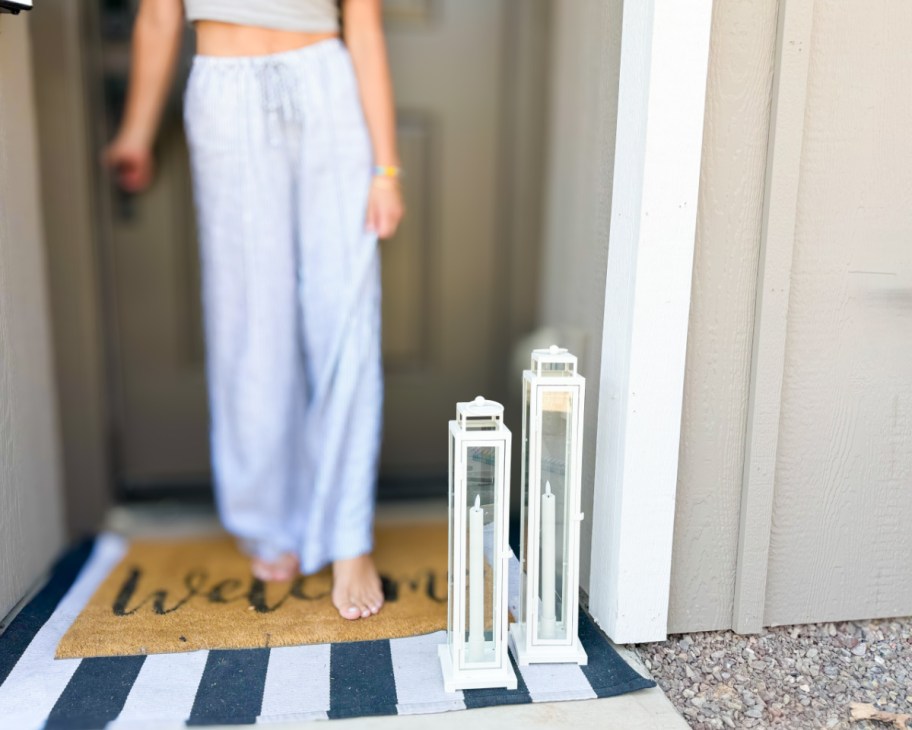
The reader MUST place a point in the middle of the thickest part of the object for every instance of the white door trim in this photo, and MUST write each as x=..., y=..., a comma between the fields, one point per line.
x=661, y=98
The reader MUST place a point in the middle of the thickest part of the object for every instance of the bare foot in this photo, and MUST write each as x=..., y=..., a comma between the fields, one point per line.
x=283, y=568
x=357, y=590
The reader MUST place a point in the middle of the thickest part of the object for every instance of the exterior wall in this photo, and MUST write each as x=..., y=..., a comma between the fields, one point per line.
x=585, y=48
x=842, y=507
x=31, y=528
x=736, y=128
x=839, y=539
x=68, y=182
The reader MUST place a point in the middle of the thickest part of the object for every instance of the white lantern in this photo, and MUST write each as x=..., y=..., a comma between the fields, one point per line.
x=547, y=626
x=476, y=655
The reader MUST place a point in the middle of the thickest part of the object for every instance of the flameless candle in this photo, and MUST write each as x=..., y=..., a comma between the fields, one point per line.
x=547, y=562
x=476, y=582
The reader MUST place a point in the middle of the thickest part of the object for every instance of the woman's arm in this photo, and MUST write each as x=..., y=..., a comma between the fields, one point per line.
x=156, y=42
x=367, y=46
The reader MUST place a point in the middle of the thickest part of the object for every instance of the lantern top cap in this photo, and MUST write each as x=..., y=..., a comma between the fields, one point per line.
x=478, y=410
x=553, y=360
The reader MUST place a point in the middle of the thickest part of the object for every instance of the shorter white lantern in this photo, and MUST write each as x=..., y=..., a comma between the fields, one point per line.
x=475, y=655
x=547, y=626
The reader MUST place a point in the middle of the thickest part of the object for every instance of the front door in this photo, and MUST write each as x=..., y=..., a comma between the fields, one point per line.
x=440, y=312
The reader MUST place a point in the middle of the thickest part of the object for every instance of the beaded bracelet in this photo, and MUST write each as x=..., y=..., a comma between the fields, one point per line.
x=390, y=171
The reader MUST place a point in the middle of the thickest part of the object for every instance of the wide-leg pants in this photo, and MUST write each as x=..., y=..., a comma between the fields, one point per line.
x=281, y=164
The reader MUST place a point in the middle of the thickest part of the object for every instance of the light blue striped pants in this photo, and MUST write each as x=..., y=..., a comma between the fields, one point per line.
x=281, y=162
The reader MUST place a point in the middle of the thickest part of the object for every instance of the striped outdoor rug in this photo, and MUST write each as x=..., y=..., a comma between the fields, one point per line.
x=381, y=677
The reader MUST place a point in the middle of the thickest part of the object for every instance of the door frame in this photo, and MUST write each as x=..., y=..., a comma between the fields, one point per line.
x=664, y=60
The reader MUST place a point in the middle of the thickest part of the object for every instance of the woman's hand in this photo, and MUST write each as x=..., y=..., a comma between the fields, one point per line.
x=156, y=42
x=384, y=207
x=131, y=162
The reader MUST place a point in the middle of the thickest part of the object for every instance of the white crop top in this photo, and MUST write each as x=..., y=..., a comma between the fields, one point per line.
x=311, y=16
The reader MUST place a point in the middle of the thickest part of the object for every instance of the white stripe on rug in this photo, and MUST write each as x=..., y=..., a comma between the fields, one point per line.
x=37, y=680
x=554, y=682
x=163, y=693
x=297, y=684
x=419, y=682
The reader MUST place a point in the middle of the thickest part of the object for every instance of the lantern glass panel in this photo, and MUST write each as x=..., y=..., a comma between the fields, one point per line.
x=484, y=464
x=557, y=408
x=524, y=505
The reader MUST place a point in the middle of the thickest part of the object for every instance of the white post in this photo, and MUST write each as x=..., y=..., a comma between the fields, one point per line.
x=661, y=98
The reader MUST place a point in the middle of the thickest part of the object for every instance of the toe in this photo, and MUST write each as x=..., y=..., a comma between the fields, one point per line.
x=363, y=609
x=351, y=612
x=375, y=601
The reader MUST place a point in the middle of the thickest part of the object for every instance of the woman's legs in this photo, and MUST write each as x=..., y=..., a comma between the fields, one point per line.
x=243, y=189
x=340, y=304
x=291, y=287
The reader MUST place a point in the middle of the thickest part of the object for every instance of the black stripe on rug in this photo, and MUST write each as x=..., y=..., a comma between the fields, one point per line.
x=95, y=694
x=19, y=634
x=361, y=679
x=499, y=695
x=230, y=691
x=608, y=674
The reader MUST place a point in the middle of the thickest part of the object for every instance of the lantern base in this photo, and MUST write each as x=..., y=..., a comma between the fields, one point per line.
x=562, y=654
x=456, y=679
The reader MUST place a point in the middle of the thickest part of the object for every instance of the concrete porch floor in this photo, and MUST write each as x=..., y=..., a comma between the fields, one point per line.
x=644, y=710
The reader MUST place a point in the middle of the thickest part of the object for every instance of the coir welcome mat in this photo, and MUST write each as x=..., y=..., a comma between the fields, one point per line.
x=185, y=595
x=221, y=687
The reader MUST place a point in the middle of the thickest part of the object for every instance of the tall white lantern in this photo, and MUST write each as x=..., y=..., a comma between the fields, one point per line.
x=547, y=626
x=476, y=655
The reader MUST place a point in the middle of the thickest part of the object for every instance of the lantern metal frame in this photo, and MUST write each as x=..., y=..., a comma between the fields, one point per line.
x=478, y=424
x=553, y=370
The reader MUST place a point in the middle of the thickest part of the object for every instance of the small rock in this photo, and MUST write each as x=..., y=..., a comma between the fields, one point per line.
x=860, y=649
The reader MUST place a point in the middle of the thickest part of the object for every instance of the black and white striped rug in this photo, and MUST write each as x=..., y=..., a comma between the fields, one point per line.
x=389, y=677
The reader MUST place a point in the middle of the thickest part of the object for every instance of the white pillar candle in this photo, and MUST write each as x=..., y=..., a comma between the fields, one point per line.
x=476, y=582
x=547, y=562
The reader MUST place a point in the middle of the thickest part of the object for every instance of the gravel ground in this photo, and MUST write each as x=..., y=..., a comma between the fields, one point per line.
x=790, y=677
